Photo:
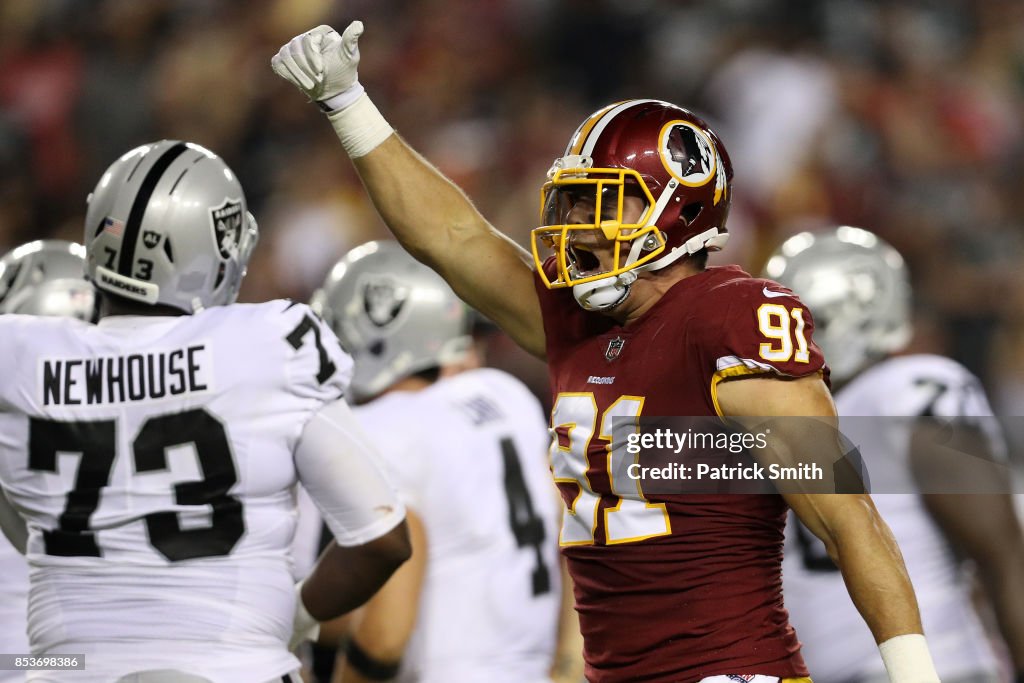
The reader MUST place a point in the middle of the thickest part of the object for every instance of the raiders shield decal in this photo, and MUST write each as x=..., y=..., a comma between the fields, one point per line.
x=383, y=299
x=227, y=227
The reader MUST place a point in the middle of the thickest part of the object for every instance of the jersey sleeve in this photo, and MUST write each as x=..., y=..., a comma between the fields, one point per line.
x=765, y=329
x=340, y=467
x=393, y=427
x=939, y=387
x=316, y=366
x=935, y=387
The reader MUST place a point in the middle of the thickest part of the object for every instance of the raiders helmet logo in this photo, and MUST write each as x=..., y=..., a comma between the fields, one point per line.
x=227, y=227
x=614, y=349
x=383, y=299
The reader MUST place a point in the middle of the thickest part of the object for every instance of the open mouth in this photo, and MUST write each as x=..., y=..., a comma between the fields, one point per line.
x=583, y=261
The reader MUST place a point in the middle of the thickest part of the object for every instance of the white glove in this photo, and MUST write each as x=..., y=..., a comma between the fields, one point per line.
x=323, y=65
x=304, y=625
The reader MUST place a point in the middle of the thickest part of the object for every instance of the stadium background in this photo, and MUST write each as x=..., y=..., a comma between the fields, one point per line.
x=905, y=118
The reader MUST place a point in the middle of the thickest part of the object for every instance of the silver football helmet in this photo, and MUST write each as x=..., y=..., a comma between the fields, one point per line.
x=857, y=288
x=393, y=314
x=168, y=224
x=46, y=277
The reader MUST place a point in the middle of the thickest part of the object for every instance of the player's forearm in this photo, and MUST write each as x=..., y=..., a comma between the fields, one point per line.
x=440, y=227
x=426, y=212
x=345, y=578
x=1002, y=584
x=876, y=578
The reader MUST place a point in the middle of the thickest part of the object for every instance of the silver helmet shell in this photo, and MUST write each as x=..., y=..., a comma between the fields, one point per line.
x=46, y=277
x=168, y=224
x=856, y=286
x=394, y=315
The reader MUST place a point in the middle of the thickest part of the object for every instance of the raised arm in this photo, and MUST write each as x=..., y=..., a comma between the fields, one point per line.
x=431, y=217
x=855, y=536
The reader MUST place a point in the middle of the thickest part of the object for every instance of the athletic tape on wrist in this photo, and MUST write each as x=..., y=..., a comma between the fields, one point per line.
x=342, y=100
x=907, y=659
x=360, y=127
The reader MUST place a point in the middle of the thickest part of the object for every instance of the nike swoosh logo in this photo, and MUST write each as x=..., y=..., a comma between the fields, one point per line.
x=772, y=295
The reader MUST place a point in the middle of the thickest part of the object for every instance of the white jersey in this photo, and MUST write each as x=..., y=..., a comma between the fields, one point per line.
x=152, y=459
x=13, y=606
x=469, y=455
x=837, y=645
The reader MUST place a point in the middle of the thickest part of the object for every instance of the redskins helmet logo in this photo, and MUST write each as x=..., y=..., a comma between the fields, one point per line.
x=687, y=153
x=383, y=300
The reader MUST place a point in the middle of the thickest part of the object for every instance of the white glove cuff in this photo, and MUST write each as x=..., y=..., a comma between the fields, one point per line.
x=344, y=99
x=907, y=659
x=360, y=127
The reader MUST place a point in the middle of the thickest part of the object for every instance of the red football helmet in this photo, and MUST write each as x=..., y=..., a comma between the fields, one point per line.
x=645, y=153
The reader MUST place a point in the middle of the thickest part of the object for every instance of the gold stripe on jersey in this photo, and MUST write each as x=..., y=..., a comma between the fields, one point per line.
x=729, y=373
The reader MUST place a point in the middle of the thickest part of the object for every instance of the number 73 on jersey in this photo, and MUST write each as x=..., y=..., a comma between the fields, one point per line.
x=633, y=518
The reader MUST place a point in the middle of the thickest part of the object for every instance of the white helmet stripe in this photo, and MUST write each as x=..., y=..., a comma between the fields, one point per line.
x=595, y=132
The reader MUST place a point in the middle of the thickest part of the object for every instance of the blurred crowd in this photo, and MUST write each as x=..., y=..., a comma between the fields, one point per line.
x=905, y=118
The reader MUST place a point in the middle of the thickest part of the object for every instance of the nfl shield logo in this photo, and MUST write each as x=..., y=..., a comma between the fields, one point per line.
x=614, y=349
x=227, y=227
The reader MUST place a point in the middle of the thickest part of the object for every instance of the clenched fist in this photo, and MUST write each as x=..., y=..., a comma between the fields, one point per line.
x=323, y=65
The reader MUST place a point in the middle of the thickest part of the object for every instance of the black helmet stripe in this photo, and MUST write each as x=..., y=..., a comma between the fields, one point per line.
x=138, y=212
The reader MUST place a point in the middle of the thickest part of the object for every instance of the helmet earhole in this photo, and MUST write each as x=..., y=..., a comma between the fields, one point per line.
x=690, y=212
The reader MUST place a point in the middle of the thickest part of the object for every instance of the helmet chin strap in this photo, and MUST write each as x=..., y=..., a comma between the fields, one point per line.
x=604, y=293
x=610, y=291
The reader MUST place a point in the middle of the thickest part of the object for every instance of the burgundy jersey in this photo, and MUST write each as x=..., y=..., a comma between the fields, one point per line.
x=671, y=588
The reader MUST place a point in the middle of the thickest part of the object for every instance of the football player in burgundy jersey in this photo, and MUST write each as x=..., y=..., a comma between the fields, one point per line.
x=617, y=298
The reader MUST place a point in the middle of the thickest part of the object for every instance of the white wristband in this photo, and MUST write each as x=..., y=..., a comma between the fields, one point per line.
x=907, y=659
x=360, y=127
x=343, y=99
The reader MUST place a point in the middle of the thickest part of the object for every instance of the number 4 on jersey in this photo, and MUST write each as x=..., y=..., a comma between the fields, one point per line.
x=527, y=527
